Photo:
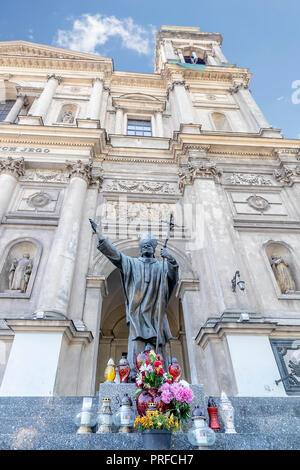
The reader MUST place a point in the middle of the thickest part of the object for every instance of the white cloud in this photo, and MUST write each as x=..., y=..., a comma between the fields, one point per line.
x=30, y=34
x=91, y=31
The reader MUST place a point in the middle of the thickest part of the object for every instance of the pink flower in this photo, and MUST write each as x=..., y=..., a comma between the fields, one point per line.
x=167, y=397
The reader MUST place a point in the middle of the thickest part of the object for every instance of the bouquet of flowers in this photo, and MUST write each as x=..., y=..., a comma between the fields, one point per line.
x=151, y=374
x=178, y=396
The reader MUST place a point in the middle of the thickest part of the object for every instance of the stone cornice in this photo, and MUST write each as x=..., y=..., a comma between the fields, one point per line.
x=55, y=64
x=16, y=54
x=211, y=73
x=218, y=327
x=66, y=326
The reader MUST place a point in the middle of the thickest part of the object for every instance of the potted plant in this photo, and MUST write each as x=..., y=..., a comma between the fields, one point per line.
x=156, y=428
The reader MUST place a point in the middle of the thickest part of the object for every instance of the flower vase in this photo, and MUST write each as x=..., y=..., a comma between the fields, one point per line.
x=147, y=396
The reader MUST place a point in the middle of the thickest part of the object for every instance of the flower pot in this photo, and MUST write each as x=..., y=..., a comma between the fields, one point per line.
x=157, y=439
x=149, y=395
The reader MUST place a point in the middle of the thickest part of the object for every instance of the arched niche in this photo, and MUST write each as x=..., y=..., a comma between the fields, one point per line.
x=11, y=259
x=114, y=331
x=220, y=122
x=67, y=114
x=282, y=264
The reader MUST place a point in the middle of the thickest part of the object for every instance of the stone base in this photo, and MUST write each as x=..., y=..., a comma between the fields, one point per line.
x=48, y=424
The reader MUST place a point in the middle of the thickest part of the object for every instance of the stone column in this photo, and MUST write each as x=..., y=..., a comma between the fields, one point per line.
x=190, y=306
x=253, y=107
x=249, y=107
x=183, y=102
x=93, y=111
x=119, y=121
x=159, y=124
x=57, y=280
x=220, y=58
x=10, y=171
x=95, y=292
x=41, y=106
x=211, y=60
x=14, y=112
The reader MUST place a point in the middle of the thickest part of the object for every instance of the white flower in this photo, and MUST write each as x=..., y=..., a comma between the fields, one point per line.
x=184, y=383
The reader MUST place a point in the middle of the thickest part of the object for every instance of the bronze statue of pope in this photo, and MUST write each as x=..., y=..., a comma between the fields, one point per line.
x=148, y=285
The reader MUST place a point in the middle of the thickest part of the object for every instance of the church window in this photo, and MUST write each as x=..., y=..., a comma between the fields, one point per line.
x=139, y=127
x=5, y=108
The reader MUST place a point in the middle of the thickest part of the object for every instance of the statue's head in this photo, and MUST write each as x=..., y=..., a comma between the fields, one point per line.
x=147, y=245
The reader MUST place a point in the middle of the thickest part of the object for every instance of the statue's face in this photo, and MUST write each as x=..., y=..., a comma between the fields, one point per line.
x=147, y=250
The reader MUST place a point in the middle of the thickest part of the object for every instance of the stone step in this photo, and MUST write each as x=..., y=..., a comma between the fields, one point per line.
x=30, y=439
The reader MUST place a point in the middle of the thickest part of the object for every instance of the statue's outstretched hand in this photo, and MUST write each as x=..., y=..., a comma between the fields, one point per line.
x=96, y=228
x=164, y=253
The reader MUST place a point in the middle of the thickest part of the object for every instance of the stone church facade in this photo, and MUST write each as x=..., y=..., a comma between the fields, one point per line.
x=80, y=140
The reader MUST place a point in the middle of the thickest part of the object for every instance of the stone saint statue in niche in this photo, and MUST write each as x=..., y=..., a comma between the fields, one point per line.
x=282, y=274
x=67, y=117
x=19, y=273
x=147, y=290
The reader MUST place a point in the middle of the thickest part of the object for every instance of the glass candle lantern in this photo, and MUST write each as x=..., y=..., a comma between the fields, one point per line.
x=175, y=369
x=200, y=435
x=105, y=417
x=124, y=418
x=110, y=371
x=85, y=419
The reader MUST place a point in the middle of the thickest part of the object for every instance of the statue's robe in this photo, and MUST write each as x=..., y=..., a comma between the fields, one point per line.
x=141, y=279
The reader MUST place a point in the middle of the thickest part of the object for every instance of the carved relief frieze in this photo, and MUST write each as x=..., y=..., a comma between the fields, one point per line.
x=45, y=176
x=248, y=179
x=123, y=211
x=148, y=187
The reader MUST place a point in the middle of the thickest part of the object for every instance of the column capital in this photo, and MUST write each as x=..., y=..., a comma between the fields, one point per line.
x=13, y=167
x=97, y=79
x=189, y=173
x=59, y=79
x=80, y=169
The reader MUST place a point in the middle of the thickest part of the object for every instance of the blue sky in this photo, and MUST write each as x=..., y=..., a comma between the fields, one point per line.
x=263, y=35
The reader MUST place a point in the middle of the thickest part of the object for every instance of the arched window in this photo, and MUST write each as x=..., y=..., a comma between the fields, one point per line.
x=220, y=122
